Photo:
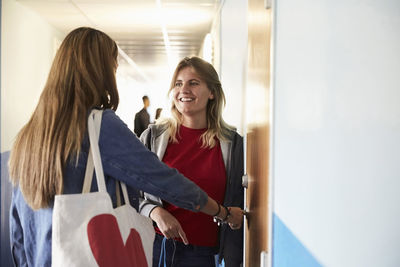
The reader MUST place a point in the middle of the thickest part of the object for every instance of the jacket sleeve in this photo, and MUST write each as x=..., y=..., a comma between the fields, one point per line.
x=147, y=202
x=232, y=243
x=16, y=234
x=126, y=159
x=237, y=171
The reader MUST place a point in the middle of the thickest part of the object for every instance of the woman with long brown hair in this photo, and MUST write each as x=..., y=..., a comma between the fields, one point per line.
x=199, y=144
x=50, y=152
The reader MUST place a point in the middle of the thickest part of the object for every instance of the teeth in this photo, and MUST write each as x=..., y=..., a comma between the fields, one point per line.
x=186, y=99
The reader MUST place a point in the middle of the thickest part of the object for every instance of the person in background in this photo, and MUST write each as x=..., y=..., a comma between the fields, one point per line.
x=142, y=118
x=158, y=113
x=50, y=152
x=198, y=143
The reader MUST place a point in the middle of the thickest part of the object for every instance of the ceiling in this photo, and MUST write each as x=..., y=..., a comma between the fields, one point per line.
x=136, y=25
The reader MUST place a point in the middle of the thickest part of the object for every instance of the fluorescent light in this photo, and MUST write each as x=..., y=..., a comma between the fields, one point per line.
x=164, y=32
x=132, y=63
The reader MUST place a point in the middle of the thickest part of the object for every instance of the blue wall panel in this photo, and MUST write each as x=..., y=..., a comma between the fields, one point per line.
x=6, y=192
x=288, y=251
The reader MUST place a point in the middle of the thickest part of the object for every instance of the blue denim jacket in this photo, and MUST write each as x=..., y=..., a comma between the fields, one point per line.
x=124, y=158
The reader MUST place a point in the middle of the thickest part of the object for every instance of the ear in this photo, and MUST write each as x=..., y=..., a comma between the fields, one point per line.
x=211, y=97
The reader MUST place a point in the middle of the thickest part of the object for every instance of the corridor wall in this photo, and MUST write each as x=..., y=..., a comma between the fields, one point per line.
x=27, y=47
x=233, y=57
x=336, y=145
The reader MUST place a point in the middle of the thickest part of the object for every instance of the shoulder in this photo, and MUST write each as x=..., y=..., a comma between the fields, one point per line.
x=153, y=131
x=109, y=116
x=140, y=112
x=116, y=136
x=158, y=129
x=112, y=124
x=233, y=136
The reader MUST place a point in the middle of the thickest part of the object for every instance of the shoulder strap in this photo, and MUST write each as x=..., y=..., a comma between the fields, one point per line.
x=124, y=193
x=94, y=158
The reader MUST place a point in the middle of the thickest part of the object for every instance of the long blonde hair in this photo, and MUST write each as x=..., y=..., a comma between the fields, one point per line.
x=216, y=126
x=81, y=77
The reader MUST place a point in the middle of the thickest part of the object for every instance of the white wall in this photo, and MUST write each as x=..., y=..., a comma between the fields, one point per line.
x=336, y=160
x=233, y=58
x=131, y=89
x=27, y=50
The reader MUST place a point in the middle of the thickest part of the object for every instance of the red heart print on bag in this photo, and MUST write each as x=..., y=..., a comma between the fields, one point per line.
x=108, y=247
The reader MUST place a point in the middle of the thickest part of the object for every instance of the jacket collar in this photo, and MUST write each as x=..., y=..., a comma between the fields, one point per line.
x=160, y=139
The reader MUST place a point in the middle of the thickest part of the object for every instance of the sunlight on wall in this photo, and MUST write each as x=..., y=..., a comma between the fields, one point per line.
x=27, y=51
x=207, y=49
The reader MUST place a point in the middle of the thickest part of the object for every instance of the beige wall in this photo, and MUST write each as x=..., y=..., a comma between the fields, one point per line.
x=27, y=49
x=232, y=64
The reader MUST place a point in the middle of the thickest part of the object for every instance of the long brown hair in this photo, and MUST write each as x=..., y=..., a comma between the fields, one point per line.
x=81, y=77
x=216, y=126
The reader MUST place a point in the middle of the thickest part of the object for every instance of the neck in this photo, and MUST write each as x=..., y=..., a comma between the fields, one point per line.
x=195, y=122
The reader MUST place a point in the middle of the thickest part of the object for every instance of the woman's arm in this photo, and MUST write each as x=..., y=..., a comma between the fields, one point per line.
x=231, y=215
x=125, y=158
x=171, y=228
x=168, y=224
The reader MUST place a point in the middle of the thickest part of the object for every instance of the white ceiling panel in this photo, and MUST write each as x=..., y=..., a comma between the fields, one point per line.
x=136, y=24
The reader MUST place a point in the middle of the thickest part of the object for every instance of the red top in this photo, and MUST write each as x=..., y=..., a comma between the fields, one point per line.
x=206, y=168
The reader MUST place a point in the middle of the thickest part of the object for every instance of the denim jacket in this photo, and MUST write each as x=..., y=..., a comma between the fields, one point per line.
x=124, y=158
x=156, y=138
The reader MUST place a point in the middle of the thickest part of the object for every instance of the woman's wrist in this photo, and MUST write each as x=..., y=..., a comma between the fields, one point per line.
x=219, y=210
x=227, y=214
x=155, y=213
x=222, y=216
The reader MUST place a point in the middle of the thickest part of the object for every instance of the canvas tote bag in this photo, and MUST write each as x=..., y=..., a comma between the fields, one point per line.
x=88, y=231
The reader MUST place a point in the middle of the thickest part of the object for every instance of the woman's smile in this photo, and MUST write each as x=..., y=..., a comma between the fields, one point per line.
x=186, y=99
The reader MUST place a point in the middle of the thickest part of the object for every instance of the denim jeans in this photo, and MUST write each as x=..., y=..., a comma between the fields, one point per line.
x=181, y=255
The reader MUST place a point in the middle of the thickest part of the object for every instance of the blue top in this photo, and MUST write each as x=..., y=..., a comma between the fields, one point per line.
x=124, y=158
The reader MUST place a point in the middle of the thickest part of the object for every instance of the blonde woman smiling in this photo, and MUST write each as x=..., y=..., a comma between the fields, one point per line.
x=199, y=144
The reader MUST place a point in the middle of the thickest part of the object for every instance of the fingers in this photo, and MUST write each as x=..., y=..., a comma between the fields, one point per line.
x=234, y=226
x=171, y=228
x=183, y=236
x=176, y=232
x=170, y=233
x=235, y=220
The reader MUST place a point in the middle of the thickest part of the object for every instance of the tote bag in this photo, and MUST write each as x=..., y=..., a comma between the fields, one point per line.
x=88, y=231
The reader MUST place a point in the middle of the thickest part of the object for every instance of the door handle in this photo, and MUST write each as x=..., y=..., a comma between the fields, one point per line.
x=245, y=181
x=246, y=213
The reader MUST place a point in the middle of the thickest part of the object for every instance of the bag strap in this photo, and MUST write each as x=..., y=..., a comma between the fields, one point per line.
x=96, y=115
x=94, y=159
x=163, y=254
x=87, y=182
x=117, y=193
x=124, y=193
